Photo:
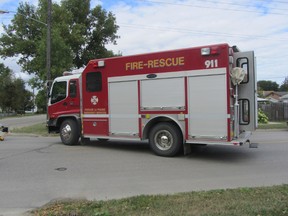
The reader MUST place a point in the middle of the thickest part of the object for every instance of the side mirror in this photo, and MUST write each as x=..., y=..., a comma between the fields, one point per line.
x=48, y=87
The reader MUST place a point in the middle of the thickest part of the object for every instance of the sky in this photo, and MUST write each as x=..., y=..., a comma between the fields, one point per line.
x=157, y=25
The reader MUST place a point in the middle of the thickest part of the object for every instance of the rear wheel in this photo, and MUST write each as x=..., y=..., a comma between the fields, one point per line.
x=69, y=132
x=165, y=139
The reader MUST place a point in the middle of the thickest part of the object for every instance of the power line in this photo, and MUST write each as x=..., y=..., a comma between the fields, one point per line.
x=252, y=4
x=197, y=32
x=217, y=8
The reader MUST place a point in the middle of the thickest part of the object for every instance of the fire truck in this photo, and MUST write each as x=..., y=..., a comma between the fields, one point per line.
x=174, y=99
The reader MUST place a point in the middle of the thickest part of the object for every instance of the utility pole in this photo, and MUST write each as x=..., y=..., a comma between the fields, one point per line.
x=48, y=50
x=48, y=42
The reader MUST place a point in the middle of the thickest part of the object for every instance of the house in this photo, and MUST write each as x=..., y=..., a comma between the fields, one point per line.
x=284, y=98
x=262, y=100
x=273, y=96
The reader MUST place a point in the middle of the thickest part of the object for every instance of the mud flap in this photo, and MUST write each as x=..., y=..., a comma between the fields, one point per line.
x=187, y=149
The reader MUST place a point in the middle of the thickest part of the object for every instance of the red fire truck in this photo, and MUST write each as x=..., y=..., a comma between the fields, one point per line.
x=202, y=95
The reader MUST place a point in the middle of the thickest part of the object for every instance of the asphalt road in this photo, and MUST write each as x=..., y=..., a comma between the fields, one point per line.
x=36, y=170
x=14, y=122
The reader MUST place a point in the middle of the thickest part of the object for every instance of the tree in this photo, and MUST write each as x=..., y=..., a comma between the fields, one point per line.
x=13, y=95
x=79, y=33
x=40, y=101
x=5, y=81
x=28, y=100
x=267, y=85
x=284, y=86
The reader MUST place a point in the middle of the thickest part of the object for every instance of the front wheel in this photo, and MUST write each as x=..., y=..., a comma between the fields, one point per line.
x=165, y=139
x=69, y=132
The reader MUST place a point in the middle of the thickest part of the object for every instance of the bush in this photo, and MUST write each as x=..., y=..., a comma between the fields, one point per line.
x=262, y=117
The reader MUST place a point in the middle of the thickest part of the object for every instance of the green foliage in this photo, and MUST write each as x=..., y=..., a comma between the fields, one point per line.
x=13, y=95
x=262, y=117
x=41, y=101
x=284, y=86
x=267, y=85
x=79, y=33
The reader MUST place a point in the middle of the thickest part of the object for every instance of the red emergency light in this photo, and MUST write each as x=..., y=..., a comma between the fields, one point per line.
x=210, y=51
x=97, y=64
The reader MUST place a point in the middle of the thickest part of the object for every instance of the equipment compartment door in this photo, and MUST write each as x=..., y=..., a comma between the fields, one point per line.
x=207, y=107
x=123, y=109
x=247, y=92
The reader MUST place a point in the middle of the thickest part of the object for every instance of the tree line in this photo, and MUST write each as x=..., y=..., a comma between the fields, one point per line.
x=267, y=85
x=13, y=94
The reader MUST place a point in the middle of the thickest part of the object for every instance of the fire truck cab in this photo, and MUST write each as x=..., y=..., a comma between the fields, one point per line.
x=202, y=95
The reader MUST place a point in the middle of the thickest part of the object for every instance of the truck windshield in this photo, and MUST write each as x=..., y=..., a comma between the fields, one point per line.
x=58, y=92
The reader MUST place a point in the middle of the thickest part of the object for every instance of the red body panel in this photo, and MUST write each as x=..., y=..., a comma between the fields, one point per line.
x=68, y=106
x=153, y=63
x=94, y=105
x=163, y=62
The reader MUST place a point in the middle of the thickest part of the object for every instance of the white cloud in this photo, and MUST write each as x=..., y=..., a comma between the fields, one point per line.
x=154, y=25
x=159, y=25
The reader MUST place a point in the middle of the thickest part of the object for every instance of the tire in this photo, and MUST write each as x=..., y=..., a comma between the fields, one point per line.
x=69, y=132
x=165, y=139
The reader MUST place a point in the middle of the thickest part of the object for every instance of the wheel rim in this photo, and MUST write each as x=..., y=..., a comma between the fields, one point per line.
x=163, y=140
x=66, y=132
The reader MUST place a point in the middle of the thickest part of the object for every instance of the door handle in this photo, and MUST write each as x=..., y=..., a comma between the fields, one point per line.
x=65, y=104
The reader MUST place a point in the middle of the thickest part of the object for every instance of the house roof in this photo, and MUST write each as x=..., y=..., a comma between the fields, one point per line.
x=268, y=93
x=284, y=96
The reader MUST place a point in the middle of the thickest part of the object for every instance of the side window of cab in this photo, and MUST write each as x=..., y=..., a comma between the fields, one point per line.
x=73, y=89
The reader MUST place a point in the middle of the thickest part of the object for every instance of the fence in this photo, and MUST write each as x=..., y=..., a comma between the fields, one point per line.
x=275, y=111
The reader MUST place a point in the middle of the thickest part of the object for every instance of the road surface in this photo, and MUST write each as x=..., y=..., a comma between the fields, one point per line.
x=36, y=170
x=14, y=122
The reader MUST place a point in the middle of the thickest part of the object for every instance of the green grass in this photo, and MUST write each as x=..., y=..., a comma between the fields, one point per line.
x=38, y=129
x=273, y=125
x=272, y=201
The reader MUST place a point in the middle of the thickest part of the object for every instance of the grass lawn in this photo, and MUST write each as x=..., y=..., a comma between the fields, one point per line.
x=273, y=125
x=244, y=201
x=39, y=129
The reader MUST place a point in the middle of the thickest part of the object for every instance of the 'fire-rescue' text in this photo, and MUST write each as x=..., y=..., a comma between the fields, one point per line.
x=156, y=63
